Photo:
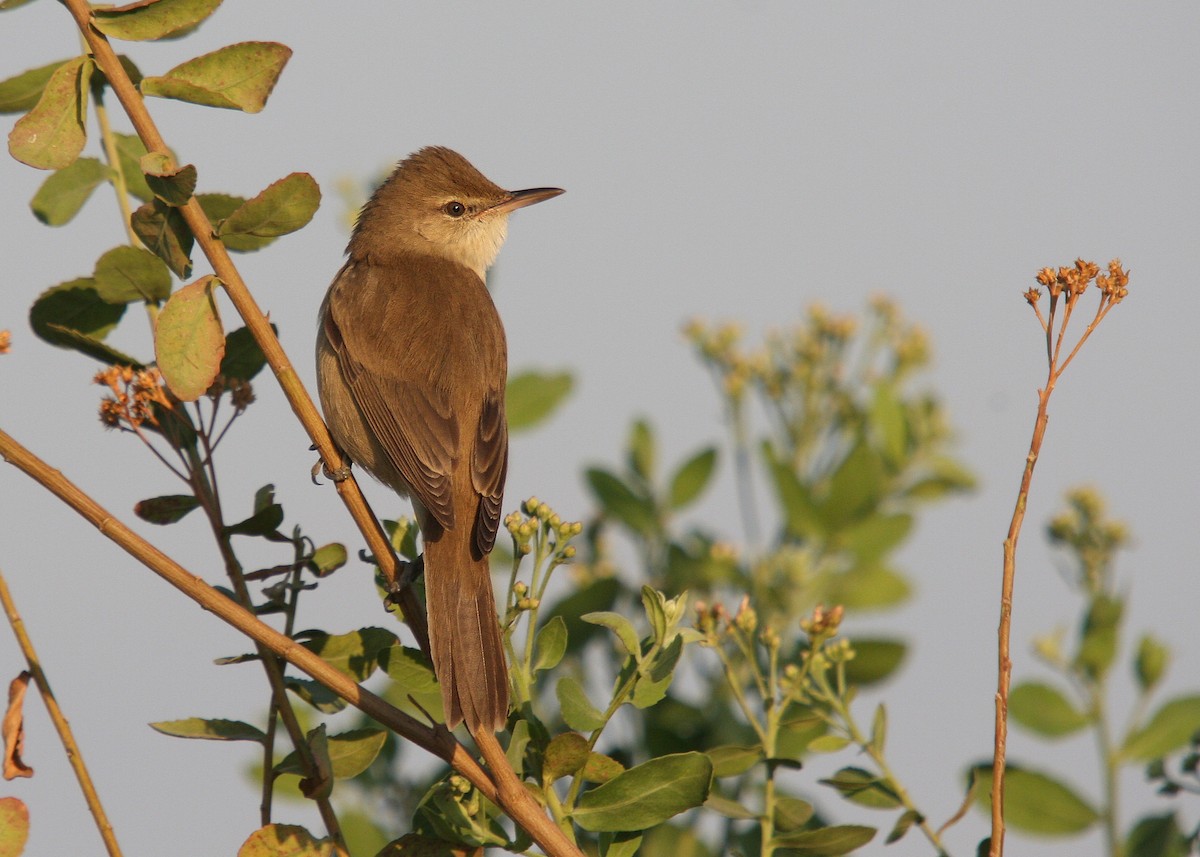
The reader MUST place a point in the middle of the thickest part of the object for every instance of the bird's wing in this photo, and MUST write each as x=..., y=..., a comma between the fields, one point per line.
x=411, y=418
x=489, y=466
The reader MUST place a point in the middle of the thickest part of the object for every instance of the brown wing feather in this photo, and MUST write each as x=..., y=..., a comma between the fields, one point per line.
x=489, y=467
x=411, y=419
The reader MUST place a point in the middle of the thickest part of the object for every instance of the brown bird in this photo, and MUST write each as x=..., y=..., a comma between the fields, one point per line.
x=411, y=368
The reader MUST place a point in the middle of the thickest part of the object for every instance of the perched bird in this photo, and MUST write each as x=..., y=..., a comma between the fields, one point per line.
x=411, y=369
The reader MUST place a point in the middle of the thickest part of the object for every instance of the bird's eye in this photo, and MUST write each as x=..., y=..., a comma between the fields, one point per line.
x=454, y=208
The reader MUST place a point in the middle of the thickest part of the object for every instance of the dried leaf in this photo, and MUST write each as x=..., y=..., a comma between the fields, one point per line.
x=14, y=729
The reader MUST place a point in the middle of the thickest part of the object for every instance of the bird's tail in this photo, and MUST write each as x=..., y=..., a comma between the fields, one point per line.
x=464, y=635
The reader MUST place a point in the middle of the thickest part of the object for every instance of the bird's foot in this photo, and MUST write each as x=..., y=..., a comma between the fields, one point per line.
x=409, y=571
x=339, y=475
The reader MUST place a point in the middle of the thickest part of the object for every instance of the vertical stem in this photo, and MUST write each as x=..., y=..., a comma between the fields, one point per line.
x=74, y=756
x=1004, y=679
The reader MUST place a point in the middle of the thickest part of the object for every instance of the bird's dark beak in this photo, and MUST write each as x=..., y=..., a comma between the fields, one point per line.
x=521, y=198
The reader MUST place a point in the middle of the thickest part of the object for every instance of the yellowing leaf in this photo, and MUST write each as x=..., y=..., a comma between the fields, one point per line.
x=189, y=342
x=51, y=135
x=153, y=19
x=237, y=77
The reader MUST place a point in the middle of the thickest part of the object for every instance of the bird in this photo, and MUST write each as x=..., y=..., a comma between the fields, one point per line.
x=412, y=364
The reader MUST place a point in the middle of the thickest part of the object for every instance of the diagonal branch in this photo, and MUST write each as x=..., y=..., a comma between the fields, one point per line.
x=436, y=740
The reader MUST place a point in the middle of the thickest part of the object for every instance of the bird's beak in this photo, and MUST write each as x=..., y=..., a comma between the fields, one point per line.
x=521, y=198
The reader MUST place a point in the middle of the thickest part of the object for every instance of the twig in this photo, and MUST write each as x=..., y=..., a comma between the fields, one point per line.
x=74, y=754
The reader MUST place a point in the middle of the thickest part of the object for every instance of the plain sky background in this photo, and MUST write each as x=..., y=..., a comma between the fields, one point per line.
x=729, y=161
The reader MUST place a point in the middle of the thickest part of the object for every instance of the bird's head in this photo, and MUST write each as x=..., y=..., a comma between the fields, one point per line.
x=436, y=203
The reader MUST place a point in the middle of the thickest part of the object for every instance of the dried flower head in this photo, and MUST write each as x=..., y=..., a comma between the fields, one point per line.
x=134, y=393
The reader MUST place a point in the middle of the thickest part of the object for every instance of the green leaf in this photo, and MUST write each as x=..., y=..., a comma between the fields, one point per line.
x=283, y=207
x=869, y=587
x=947, y=476
x=620, y=501
x=265, y=521
x=855, y=489
x=218, y=207
x=692, y=478
x=550, y=644
x=65, y=191
x=874, y=660
x=243, y=358
x=732, y=760
x=877, y=536
x=211, y=730
x=52, y=134
x=409, y=668
x=903, y=824
x=165, y=234
x=565, y=754
x=646, y=795
x=1036, y=803
x=167, y=509
x=879, y=730
x=826, y=841
x=729, y=808
x=655, y=605
x=189, y=342
x=238, y=77
x=76, y=306
x=642, y=454
x=577, y=710
x=621, y=627
x=125, y=274
x=533, y=396
x=329, y=558
x=130, y=151
x=317, y=695
x=356, y=654
x=889, y=425
x=791, y=813
x=598, y=595
x=828, y=744
x=1170, y=728
x=173, y=184
x=1151, y=662
x=20, y=94
x=864, y=788
x=350, y=753
x=1099, y=646
x=1156, y=836
x=1044, y=709
x=155, y=19
x=623, y=844
x=800, y=515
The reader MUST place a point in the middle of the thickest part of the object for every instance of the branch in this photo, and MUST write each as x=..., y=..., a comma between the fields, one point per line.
x=436, y=740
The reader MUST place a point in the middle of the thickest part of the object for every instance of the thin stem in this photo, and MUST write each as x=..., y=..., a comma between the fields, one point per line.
x=74, y=754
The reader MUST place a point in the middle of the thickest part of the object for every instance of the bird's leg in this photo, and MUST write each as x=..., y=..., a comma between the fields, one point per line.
x=339, y=475
x=409, y=570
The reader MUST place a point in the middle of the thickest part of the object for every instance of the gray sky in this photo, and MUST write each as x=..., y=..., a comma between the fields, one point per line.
x=723, y=160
